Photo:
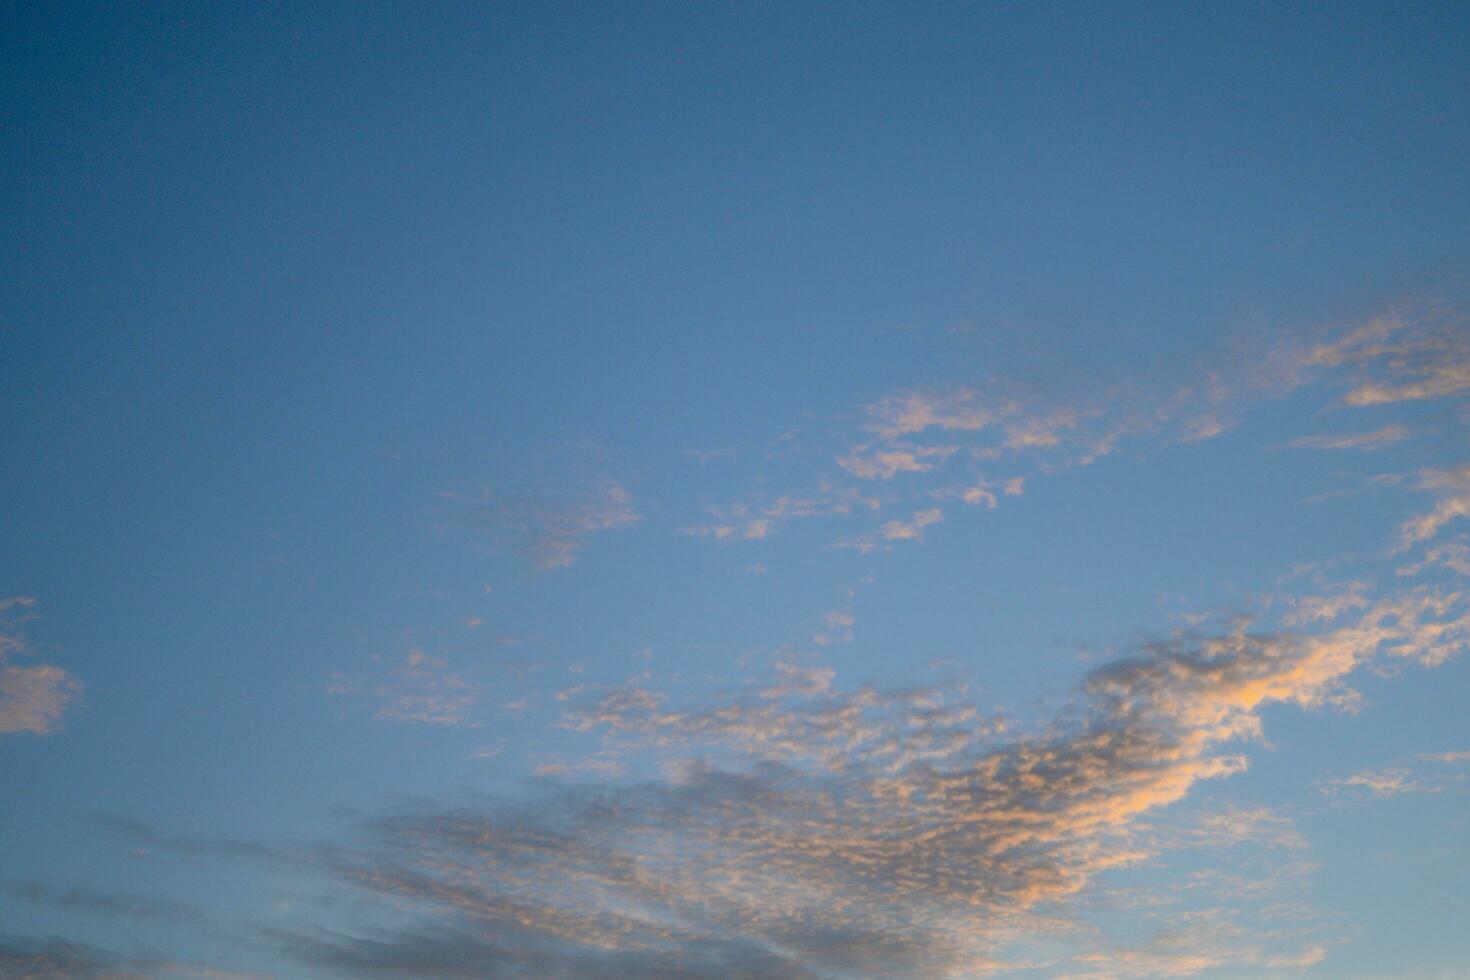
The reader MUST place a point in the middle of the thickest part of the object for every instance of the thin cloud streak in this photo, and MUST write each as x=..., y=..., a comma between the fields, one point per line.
x=1366, y=441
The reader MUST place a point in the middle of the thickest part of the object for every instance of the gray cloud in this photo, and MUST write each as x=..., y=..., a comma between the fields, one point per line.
x=60, y=959
x=111, y=905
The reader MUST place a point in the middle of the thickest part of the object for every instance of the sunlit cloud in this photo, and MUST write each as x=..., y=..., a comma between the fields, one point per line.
x=911, y=529
x=1451, y=489
x=797, y=827
x=1451, y=555
x=35, y=698
x=886, y=462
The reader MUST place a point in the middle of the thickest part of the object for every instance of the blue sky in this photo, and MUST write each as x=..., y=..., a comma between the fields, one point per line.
x=815, y=491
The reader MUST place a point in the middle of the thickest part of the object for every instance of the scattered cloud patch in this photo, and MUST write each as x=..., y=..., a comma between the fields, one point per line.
x=1382, y=782
x=896, y=530
x=757, y=521
x=419, y=690
x=886, y=462
x=551, y=529
x=799, y=828
x=838, y=626
x=33, y=699
x=1451, y=488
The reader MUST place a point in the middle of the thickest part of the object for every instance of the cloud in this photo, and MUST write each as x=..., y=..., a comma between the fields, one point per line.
x=799, y=828
x=1449, y=378
x=887, y=462
x=913, y=412
x=605, y=765
x=1452, y=489
x=1452, y=555
x=32, y=699
x=982, y=492
x=1207, y=939
x=1403, y=355
x=1412, y=776
x=1041, y=431
x=1382, y=782
x=839, y=624
x=435, y=950
x=1368, y=441
x=110, y=905
x=913, y=528
x=1307, y=610
x=979, y=494
x=1238, y=825
x=60, y=959
x=552, y=529
x=895, y=530
x=755, y=522
x=420, y=690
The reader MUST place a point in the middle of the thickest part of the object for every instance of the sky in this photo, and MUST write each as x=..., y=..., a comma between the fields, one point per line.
x=813, y=491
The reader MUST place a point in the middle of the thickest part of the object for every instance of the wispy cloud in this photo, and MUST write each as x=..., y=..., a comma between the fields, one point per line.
x=1238, y=825
x=61, y=958
x=1404, y=355
x=905, y=440
x=1427, y=772
x=551, y=529
x=1382, y=782
x=1367, y=441
x=1451, y=489
x=911, y=529
x=419, y=690
x=32, y=699
x=757, y=520
x=838, y=626
x=1452, y=555
x=886, y=462
x=105, y=904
